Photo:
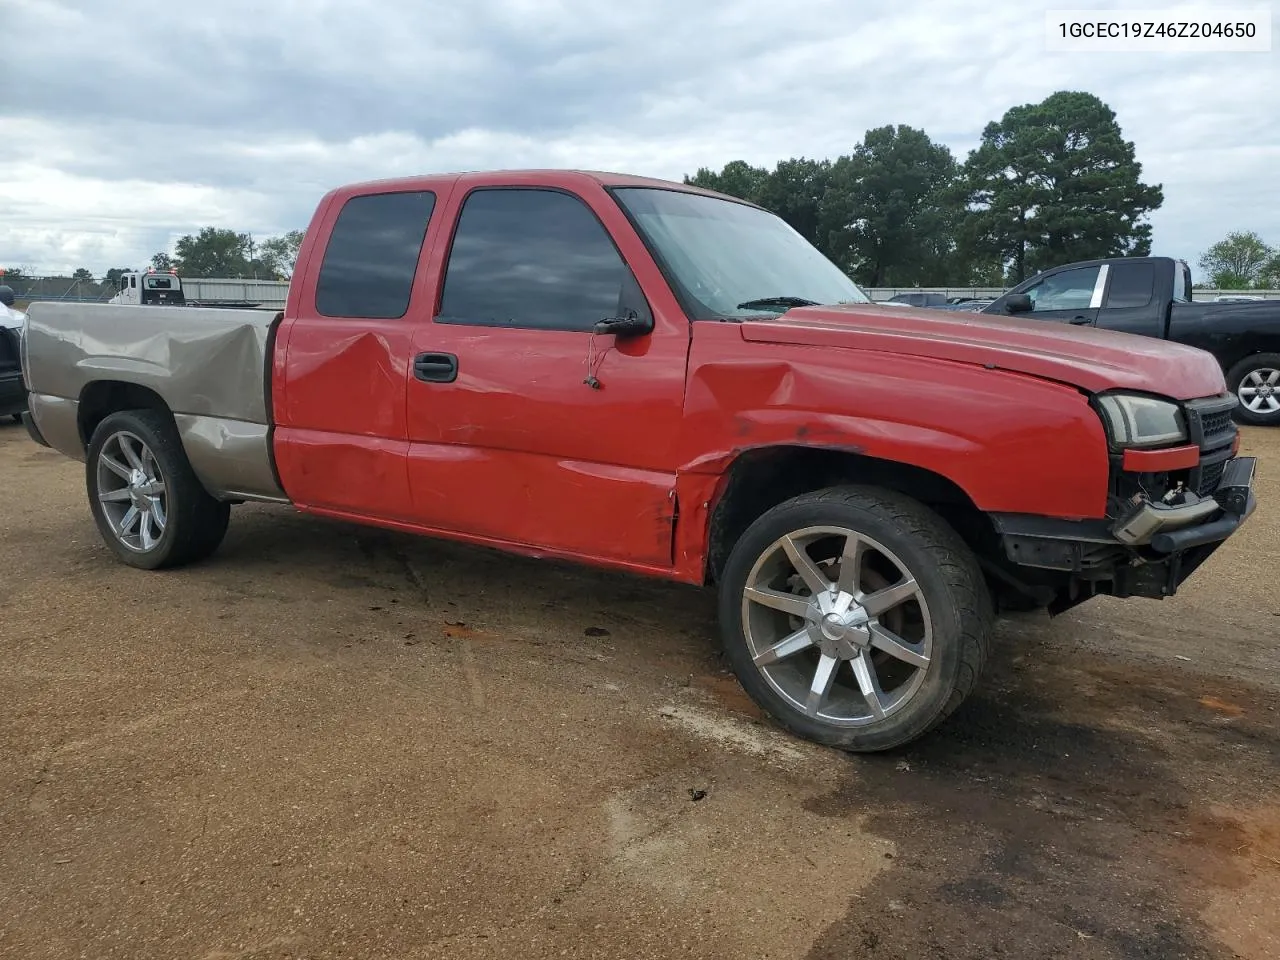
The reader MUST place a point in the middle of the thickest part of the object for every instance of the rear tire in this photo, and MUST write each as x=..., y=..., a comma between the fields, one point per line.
x=150, y=508
x=1255, y=381
x=870, y=660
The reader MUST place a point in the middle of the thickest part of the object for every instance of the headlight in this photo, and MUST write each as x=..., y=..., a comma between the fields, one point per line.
x=1137, y=421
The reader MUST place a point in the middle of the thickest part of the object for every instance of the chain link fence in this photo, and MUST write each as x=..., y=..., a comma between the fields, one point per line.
x=26, y=289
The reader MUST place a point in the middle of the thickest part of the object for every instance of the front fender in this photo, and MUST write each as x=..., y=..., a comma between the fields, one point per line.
x=1012, y=442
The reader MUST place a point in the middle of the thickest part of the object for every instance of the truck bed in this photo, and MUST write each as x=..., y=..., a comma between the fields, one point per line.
x=208, y=365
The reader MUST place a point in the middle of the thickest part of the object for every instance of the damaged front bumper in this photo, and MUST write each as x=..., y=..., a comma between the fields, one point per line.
x=1148, y=552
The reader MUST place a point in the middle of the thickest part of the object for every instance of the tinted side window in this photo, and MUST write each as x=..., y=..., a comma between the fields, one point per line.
x=1131, y=285
x=372, y=255
x=1070, y=290
x=531, y=258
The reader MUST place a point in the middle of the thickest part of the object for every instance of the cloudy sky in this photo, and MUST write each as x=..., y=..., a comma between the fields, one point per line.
x=125, y=124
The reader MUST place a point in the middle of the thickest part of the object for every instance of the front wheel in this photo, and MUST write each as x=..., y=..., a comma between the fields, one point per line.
x=855, y=616
x=1256, y=383
x=150, y=508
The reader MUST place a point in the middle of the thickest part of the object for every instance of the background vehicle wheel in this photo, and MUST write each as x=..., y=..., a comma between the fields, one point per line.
x=855, y=616
x=1256, y=382
x=148, y=505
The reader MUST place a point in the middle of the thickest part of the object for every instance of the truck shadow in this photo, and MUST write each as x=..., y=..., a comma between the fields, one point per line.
x=1071, y=809
x=1078, y=805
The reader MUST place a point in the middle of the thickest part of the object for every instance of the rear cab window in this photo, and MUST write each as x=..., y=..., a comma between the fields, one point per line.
x=371, y=258
x=1131, y=285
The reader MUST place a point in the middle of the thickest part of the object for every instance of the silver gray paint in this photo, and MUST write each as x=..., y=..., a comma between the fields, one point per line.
x=231, y=457
x=207, y=364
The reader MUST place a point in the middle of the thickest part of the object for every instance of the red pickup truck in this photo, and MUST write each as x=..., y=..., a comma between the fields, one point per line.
x=647, y=376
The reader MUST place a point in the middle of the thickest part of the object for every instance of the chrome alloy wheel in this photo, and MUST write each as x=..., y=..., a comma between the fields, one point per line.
x=132, y=491
x=1259, y=391
x=837, y=625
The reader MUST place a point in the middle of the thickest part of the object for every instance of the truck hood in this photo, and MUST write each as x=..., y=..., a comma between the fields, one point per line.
x=1084, y=357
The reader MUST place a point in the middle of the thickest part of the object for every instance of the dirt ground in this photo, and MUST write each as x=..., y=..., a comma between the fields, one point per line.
x=334, y=742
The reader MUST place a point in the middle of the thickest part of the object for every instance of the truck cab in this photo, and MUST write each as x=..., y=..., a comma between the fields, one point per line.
x=151, y=288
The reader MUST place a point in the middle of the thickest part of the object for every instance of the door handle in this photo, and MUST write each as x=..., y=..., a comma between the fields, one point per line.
x=1081, y=321
x=436, y=367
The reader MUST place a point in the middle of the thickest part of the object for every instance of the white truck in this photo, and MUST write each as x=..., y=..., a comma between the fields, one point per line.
x=150, y=289
x=153, y=287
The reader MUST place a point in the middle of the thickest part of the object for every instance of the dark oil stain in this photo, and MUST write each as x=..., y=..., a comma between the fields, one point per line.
x=1036, y=823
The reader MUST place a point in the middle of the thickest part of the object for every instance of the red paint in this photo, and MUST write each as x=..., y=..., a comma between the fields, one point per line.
x=1084, y=357
x=557, y=463
x=957, y=420
x=1162, y=461
x=519, y=453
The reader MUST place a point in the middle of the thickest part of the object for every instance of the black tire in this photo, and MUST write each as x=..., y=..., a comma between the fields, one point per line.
x=1237, y=379
x=949, y=580
x=195, y=522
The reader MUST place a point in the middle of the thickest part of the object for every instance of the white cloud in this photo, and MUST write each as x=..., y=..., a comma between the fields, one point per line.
x=150, y=120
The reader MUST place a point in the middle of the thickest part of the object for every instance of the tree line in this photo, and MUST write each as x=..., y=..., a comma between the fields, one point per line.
x=211, y=252
x=1049, y=183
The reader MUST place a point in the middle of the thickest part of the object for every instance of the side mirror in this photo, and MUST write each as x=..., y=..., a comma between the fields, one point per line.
x=6, y=296
x=631, y=325
x=1018, y=303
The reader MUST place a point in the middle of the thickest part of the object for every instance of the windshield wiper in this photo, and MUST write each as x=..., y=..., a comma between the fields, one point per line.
x=777, y=302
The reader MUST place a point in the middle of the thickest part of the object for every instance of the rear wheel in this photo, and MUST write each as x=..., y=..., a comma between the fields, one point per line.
x=150, y=508
x=855, y=616
x=1256, y=383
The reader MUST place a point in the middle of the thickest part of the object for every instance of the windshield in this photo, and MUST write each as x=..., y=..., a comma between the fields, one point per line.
x=724, y=258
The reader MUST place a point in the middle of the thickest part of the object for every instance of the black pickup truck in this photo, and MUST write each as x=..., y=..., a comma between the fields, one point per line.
x=13, y=393
x=1152, y=296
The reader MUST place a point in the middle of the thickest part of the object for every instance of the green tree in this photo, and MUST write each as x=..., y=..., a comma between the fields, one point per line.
x=214, y=252
x=162, y=261
x=892, y=210
x=737, y=179
x=115, y=273
x=82, y=273
x=794, y=190
x=1054, y=182
x=1239, y=261
x=1270, y=279
x=12, y=273
x=280, y=254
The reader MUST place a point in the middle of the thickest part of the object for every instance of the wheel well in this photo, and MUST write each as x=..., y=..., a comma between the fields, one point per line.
x=761, y=479
x=102, y=398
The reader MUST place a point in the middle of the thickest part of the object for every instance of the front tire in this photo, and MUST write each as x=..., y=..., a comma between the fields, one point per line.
x=149, y=507
x=1255, y=381
x=855, y=616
